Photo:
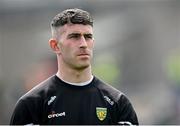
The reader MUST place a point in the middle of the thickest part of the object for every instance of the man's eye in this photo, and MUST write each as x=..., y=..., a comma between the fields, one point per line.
x=75, y=36
x=88, y=36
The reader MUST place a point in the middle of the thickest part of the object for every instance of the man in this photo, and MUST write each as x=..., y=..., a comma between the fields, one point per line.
x=73, y=95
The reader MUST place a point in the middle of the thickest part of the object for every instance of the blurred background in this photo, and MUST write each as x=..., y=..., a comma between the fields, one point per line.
x=137, y=50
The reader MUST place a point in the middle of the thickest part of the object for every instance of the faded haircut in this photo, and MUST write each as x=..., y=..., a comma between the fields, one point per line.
x=70, y=16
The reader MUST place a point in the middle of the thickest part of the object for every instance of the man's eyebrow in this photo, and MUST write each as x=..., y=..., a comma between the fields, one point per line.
x=88, y=34
x=74, y=34
x=80, y=34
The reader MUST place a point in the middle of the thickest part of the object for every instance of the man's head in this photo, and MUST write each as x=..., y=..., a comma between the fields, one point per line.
x=72, y=38
x=70, y=16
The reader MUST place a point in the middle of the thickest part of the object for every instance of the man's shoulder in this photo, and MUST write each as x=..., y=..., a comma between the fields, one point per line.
x=39, y=91
x=108, y=90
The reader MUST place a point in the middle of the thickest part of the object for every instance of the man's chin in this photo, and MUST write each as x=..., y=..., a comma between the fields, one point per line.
x=83, y=66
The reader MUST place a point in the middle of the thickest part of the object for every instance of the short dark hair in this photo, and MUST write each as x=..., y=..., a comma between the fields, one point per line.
x=72, y=16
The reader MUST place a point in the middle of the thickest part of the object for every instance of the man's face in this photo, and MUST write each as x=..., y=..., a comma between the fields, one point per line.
x=76, y=45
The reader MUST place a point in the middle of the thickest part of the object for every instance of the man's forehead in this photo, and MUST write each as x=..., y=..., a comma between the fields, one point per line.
x=76, y=28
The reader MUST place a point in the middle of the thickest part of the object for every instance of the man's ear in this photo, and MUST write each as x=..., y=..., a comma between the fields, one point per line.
x=54, y=45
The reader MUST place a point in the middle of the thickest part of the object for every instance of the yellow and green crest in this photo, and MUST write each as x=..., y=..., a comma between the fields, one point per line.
x=101, y=113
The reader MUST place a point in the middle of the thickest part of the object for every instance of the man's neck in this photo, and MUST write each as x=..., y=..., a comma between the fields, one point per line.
x=75, y=76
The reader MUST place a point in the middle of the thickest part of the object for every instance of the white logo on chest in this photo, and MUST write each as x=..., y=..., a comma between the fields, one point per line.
x=53, y=114
x=51, y=100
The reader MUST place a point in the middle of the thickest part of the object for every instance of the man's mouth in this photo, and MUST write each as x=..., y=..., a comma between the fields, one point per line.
x=83, y=54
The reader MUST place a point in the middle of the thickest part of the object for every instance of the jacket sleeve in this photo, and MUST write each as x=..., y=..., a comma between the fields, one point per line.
x=126, y=113
x=21, y=114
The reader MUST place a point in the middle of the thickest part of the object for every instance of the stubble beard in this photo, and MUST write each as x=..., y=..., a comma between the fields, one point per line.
x=78, y=64
x=81, y=66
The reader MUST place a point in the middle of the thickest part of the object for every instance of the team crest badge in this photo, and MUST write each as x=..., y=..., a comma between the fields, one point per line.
x=101, y=113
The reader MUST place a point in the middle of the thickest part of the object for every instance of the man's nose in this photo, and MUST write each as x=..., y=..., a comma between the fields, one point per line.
x=83, y=43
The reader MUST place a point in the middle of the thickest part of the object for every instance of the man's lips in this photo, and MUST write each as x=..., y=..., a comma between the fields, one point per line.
x=83, y=54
